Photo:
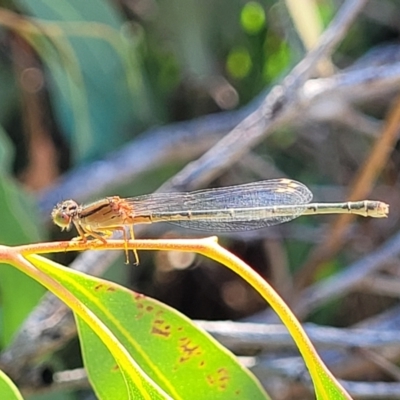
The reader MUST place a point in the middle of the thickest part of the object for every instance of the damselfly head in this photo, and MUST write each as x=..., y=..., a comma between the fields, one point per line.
x=63, y=214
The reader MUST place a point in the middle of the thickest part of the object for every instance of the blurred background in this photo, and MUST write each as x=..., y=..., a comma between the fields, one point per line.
x=116, y=97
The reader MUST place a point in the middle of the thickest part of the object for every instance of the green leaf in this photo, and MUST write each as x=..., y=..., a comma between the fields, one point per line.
x=19, y=223
x=7, y=388
x=132, y=382
x=328, y=388
x=182, y=359
x=97, y=88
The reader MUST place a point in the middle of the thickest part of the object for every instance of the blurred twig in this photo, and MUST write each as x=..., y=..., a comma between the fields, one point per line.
x=362, y=185
x=251, y=339
x=152, y=148
x=385, y=365
x=352, y=364
x=278, y=106
x=346, y=281
x=291, y=370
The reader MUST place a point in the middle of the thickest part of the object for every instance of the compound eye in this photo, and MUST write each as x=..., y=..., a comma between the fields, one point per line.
x=61, y=219
x=63, y=214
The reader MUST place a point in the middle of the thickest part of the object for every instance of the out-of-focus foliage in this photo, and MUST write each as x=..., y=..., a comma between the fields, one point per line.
x=19, y=223
x=96, y=85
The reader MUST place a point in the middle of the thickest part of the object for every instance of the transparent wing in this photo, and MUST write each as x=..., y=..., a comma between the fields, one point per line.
x=248, y=197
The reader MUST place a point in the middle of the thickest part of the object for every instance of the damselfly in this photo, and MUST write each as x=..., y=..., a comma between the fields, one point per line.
x=226, y=209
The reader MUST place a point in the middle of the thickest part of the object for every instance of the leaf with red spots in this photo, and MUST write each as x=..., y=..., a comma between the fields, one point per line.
x=183, y=360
